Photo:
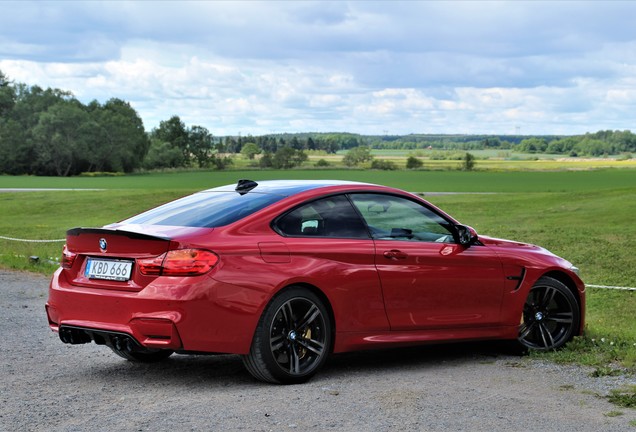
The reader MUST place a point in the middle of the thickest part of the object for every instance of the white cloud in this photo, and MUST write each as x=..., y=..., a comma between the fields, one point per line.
x=258, y=67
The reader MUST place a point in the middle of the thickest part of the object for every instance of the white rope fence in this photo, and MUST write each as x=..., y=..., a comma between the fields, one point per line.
x=31, y=241
x=611, y=287
x=62, y=240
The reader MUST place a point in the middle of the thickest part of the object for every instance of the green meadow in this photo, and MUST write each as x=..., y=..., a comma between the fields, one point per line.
x=585, y=216
x=411, y=180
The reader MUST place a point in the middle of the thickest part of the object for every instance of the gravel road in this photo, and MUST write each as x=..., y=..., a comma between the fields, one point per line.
x=48, y=386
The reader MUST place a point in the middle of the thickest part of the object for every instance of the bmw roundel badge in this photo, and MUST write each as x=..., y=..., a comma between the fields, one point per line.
x=102, y=244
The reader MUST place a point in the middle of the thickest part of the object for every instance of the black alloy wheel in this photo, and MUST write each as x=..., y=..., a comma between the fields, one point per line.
x=551, y=316
x=292, y=340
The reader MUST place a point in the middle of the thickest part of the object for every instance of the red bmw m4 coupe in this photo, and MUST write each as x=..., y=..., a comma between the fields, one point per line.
x=285, y=273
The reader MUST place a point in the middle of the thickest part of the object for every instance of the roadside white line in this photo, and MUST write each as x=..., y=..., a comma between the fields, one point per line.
x=611, y=287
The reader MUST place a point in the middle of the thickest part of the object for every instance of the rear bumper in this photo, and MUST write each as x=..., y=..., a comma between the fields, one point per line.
x=152, y=333
x=201, y=315
x=118, y=341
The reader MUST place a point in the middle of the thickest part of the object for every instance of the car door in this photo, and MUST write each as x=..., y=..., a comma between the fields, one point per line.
x=329, y=247
x=428, y=280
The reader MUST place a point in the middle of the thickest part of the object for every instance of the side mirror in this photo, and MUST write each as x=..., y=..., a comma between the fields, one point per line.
x=465, y=235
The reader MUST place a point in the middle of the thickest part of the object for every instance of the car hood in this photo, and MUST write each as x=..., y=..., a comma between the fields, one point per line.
x=524, y=250
x=503, y=243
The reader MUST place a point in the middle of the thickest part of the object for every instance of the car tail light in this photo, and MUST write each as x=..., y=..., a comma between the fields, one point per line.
x=68, y=258
x=180, y=262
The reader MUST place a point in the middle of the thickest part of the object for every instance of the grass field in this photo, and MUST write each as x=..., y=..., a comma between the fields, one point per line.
x=481, y=154
x=585, y=216
x=486, y=160
x=416, y=181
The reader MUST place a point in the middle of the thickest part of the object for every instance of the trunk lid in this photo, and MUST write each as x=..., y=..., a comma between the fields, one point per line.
x=105, y=257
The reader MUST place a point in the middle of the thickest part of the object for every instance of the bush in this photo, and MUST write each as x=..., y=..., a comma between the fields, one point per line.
x=287, y=157
x=322, y=163
x=220, y=163
x=266, y=161
x=413, y=163
x=357, y=155
x=101, y=174
x=468, y=162
x=163, y=155
x=382, y=164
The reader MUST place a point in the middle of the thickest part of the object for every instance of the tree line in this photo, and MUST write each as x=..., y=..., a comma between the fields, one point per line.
x=591, y=144
x=50, y=132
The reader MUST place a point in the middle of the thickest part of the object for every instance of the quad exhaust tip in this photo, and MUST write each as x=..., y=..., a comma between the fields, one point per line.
x=119, y=341
x=74, y=336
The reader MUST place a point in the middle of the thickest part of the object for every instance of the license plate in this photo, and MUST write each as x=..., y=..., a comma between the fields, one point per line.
x=116, y=270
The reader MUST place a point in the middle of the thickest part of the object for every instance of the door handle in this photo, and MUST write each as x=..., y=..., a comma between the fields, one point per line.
x=395, y=254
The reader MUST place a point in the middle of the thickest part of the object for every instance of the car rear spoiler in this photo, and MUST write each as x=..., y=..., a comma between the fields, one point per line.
x=130, y=234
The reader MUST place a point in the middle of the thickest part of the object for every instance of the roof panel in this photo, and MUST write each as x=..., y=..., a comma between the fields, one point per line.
x=286, y=187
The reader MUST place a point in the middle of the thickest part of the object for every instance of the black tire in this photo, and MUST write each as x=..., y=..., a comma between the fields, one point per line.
x=292, y=339
x=147, y=356
x=551, y=316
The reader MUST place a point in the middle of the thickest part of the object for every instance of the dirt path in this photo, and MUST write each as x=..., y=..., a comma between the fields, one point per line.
x=48, y=386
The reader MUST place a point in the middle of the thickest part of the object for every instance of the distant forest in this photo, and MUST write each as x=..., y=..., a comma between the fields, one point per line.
x=49, y=132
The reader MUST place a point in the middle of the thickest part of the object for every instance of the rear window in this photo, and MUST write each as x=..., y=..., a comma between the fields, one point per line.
x=205, y=209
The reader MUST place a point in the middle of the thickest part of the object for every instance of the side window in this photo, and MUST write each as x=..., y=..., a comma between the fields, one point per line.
x=396, y=218
x=327, y=217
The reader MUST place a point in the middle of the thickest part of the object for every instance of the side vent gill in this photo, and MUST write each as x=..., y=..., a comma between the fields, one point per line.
x=514, y=277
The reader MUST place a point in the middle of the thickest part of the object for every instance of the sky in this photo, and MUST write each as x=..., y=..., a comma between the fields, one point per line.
x=368, y=67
